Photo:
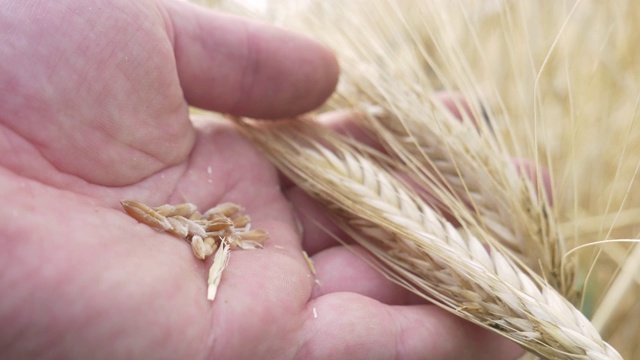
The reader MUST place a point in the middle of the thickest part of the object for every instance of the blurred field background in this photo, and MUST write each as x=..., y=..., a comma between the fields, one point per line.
x=560, y=83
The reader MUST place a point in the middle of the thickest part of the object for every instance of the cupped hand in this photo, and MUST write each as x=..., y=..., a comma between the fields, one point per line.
x=94, y=98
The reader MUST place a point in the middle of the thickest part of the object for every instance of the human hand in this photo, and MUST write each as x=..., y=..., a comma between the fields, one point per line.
x=94, y=109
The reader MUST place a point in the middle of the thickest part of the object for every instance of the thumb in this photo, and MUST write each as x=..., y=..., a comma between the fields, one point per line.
x=246, y=68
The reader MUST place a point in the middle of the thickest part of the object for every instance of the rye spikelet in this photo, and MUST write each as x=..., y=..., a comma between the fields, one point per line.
x=422, y=251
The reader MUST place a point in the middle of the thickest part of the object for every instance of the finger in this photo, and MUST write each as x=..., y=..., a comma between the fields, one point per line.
x=456, y=104
x=319, y=232
x=357, y=327
x=539, y=177
x=246, y=68
x=348, y=122
x=341, y=269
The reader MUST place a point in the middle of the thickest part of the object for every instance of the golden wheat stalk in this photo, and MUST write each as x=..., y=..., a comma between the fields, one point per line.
x=422, y=251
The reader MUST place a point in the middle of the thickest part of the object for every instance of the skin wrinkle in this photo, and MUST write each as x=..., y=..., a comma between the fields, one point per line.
x=179, y=106
x=34, y=145
x=316, y=337
x=250, y=67
x=8, y=10
x=232, y=95
x=84, y=186
x=23, y=294
x=14, y=166
x=81, y=71
x=178, y=38
x=38, y=8
x=207, y=136
x=303, y=346
x=252, y=265
x=63, y=180
x=400, y=334
x=168, y=26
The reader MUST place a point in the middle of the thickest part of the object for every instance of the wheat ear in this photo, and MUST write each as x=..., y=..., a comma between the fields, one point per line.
x=451, y=157
x=419, y=249
x=445, y=155
x=460, y=164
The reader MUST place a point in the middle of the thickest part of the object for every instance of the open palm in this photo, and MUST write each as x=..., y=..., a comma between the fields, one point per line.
x=94, y=109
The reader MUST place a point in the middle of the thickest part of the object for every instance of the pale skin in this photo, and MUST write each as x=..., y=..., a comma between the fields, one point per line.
x=94, y=109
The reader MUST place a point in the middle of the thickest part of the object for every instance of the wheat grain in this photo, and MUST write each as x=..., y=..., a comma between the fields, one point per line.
x=217, y=231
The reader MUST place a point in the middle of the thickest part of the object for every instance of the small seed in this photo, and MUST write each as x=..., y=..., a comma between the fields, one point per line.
x=226, y=209
x=257, y=235
x=146, y=215
x=179, y=230
x=218, y=224
x=241, y=221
